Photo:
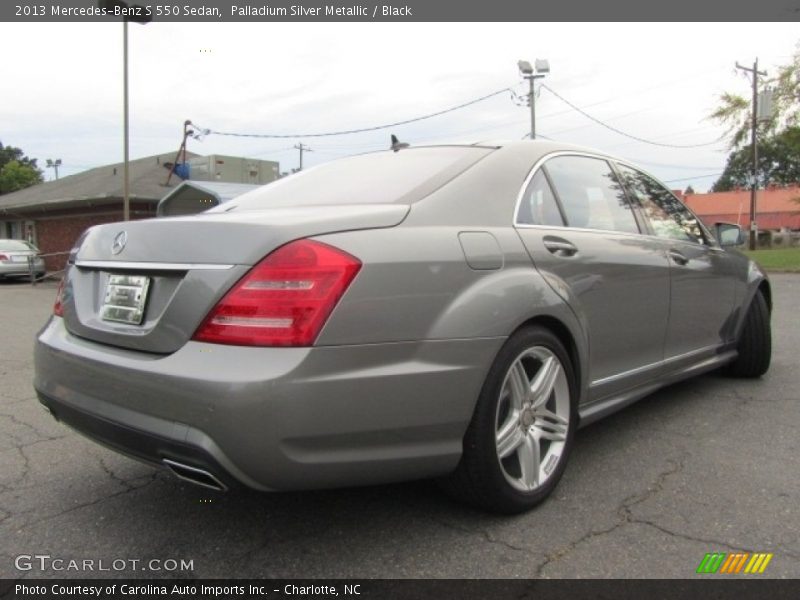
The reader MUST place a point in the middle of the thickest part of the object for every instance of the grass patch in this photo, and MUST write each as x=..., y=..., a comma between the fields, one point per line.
x=782, y=259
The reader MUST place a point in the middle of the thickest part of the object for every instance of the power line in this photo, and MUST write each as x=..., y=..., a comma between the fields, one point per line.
x=361, y=130
x=638, y=91
x=692, y=177
x=666, y=166
x=619, y=131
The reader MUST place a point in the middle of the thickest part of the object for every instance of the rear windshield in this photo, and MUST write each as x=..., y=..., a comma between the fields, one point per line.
x=380, y=178
x=15, y=246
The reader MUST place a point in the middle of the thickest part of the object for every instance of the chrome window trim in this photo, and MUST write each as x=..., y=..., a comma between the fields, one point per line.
x=152, y=266
x=536, y=166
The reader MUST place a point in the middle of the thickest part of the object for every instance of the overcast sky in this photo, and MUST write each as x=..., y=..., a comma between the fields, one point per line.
x=62, y=92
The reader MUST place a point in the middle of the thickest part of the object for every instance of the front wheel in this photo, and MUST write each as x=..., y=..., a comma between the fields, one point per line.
x=755, y=342
x=517, y=444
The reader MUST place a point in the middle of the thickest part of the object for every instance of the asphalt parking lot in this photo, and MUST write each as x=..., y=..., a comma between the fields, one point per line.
x=707, y=465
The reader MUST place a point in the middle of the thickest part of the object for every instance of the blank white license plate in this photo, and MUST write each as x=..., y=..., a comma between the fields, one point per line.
x=125, y=299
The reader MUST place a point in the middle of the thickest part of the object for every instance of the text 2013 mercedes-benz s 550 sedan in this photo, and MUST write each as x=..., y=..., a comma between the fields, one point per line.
x=446, y=311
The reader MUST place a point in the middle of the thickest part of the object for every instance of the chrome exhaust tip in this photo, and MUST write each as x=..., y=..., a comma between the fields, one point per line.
x=194, y=475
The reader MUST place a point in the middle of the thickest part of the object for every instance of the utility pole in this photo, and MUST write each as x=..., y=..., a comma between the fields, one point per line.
x=302, y=148
x=126, y=180
x=532, y=102
x=753, y=140
x=136, y=14
x=532, y=73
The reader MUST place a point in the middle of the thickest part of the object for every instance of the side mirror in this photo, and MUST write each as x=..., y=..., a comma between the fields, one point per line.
x=729, y=235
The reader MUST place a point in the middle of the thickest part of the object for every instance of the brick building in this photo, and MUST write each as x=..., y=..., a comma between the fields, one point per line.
x=54, y=214
x=777, y=208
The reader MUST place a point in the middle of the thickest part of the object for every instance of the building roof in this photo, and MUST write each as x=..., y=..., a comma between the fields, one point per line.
x=770, y=200
x=776, y=208
x=98, y=186
x=189, y=196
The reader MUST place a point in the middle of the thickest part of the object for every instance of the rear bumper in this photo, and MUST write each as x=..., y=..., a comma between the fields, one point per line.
x=15, y=268
x=148, y=445
x=272, y=418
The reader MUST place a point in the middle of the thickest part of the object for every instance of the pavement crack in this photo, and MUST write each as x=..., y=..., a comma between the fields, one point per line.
x=110, y=472
x=677, y=534
x=624, y=516
x=484, y=533
x=152, y=478
x=17, y=421
x=564, y=550
x=26, y=467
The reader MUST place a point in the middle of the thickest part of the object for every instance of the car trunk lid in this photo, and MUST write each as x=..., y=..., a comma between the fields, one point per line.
x=147, y=285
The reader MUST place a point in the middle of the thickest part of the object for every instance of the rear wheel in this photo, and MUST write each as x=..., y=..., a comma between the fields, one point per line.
x=755, y=342
x=517, y=444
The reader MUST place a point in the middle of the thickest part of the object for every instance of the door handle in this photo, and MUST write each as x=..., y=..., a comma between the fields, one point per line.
x=677, y=257
x=560, y=247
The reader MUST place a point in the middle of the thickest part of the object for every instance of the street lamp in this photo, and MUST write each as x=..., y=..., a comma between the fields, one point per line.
x=54, y=165
x=530, y=72
x=130, y=14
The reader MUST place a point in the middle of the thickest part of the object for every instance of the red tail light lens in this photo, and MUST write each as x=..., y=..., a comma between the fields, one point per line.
x=284, y=300
x=58, y=307
x=3, y=257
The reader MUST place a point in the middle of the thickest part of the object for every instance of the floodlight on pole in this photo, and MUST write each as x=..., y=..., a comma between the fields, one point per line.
x=540, y=67
x=54, y=164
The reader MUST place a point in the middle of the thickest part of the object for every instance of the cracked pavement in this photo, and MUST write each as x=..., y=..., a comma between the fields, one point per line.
x=710, y=464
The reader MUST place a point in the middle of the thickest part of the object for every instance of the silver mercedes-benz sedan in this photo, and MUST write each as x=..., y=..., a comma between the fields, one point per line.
x=17, y=257
x=449, y=311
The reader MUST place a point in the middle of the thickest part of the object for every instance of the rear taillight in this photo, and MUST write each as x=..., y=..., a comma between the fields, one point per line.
x=284, y=300
x=3, y=256
x=58, y=307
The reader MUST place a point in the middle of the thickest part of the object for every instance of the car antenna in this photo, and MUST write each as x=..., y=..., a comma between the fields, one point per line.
x=397, y=145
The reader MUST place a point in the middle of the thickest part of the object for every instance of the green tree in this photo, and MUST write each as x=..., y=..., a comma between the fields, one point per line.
x=735, y=111
x=778, y=163
x=23, y=173
x=15, y=176
x=778, y=136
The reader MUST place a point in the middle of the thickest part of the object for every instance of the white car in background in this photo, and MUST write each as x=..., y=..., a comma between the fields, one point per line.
x=14, y=257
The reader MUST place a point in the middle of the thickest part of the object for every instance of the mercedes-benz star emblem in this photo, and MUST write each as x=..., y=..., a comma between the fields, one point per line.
x=119, y=242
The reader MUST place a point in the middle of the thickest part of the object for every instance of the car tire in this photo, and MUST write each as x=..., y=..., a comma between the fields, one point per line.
x=519, y=439
x=755, y=342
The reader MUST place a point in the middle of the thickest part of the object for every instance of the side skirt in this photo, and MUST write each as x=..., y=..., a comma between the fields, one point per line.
x=603, y=407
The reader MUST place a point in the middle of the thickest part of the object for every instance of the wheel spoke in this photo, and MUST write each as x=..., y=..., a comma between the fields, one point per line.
x=509, y=437
x=520, y=385
x=548, y=415
x=542, y=384
x=528, y=455
x=550, y=426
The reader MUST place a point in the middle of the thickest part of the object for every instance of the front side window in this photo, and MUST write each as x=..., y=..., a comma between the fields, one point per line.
x=667, y=216
x=590, y=194
x=538, y=205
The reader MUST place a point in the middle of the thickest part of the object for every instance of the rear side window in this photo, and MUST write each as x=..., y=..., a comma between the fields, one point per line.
x=590, y=194
x=379, y=178
x=538, y=205
x=667, y=216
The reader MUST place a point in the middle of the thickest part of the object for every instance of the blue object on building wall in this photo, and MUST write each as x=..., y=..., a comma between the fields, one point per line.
x=182, y=170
